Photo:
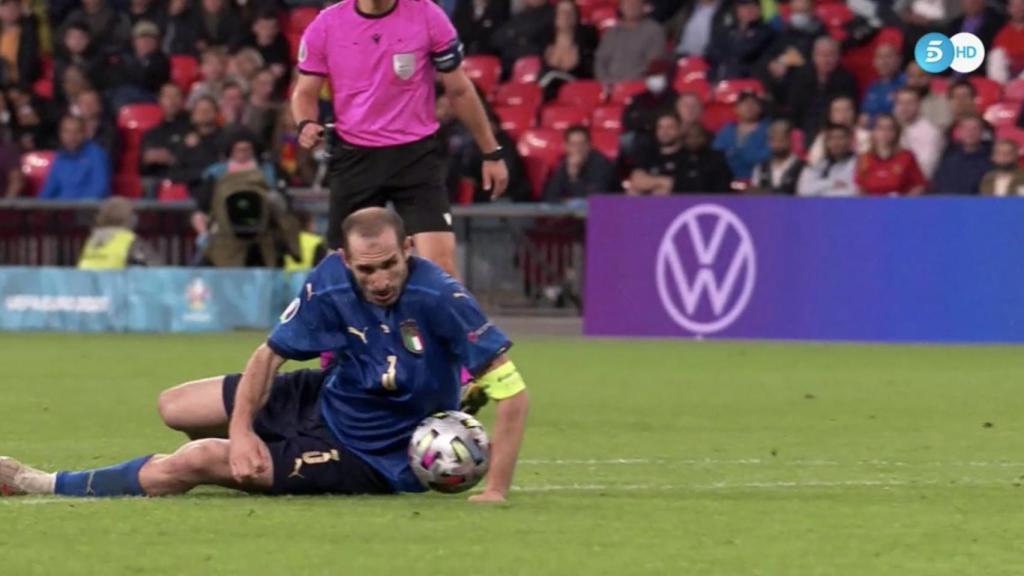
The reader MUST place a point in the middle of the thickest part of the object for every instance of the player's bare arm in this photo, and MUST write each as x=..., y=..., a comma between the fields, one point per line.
x=248, y=454
x=306, y=109
x=470, y=111
x=503, y=383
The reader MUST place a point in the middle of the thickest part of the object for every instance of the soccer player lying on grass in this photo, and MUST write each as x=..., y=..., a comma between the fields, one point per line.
x=401, y=329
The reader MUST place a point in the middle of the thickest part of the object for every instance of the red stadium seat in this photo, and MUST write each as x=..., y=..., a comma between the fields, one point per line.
x=939, y=86
x=699, y=87
x=716, y=115
x=604, y=18
x=559, y=117
x=607, y=117
x=139, y=117
x=1002, y=114
x=588, y=7
x=184, y=72
x=585, y=94
x=484, y=71
x=299, y=19
x=43, y=88
x=128, y=184
x=35, y=166
x=541, y=149
x=606, y=142
x=728, y=91
x=691, y=64
x=1014, y=90
x=989, y=91
x=527, y=70
x=526, y=95
x=834, y=15
x=171, y=191
x=798, y=142
x=623, y=92
x=515, y=119
x=860, y=60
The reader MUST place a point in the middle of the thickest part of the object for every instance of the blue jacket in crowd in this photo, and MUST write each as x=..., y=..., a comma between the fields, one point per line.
x=961, y=172
x=742, y=157
x=80, y=175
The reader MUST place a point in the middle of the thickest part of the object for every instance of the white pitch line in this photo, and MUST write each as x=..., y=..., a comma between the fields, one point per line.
x=781, y=485
x=759, y=462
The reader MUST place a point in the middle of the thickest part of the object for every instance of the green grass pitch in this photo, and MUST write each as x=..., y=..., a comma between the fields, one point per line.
x=641, y=458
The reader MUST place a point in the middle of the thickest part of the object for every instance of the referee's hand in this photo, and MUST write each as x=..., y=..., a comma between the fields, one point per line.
x=495, y=177
x=311, y=136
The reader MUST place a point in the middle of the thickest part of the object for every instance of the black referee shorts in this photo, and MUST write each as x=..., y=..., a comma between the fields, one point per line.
x=410, y=176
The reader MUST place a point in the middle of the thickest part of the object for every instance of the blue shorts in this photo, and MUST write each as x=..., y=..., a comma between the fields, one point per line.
x=307, y=459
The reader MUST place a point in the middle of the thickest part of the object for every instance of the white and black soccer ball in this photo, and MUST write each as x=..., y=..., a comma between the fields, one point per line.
x=450, y=452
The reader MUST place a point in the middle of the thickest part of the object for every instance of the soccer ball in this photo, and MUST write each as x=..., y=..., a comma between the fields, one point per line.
x=450, y=452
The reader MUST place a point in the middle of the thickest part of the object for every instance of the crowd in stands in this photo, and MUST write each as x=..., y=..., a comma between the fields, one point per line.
x=163, y=99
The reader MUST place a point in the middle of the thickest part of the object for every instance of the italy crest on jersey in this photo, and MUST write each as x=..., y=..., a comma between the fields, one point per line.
x=411, y=337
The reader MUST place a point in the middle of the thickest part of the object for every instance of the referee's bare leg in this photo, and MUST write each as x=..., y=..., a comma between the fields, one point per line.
x=439, y=248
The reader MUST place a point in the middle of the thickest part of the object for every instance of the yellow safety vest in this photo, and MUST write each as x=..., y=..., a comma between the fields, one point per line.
x=107, y=250
x=308, y=243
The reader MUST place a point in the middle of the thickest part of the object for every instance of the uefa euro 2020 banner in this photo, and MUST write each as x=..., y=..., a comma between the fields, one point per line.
x=881, y=270
x=142, y=299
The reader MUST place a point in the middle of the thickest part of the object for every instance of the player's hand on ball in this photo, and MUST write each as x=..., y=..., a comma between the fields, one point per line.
x=248, y=456
x=311, y=136
x=488, y=497
x=495, y=177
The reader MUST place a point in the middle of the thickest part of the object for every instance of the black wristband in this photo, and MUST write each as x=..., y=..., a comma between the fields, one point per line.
x=301, y=125
x=495, y=155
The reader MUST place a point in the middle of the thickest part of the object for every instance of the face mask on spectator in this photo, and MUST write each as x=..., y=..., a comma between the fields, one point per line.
x=657, y=84
x=800, y=21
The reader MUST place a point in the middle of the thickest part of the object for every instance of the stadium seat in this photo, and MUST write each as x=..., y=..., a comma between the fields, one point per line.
x=697, y=86
x=939, y=85
x=859, y=60
x=1013, y=90
x=526, y=95
x=128, y=184
x=692, y=65
x=560, y=117
x=526, y=70
x=171, y=191
x=606, y=142
x=718, y=114
x=139, y=117
x=798, y=142
x=587, y=8
x=1002, y=114
x=515, y=119
x=989, y=91
x=35, y=166
x=584, y=94
x=184, y=72
x=834, y=15
x=607, y=117
x=604, y=18
x=541, y=149
x=728, y=91
x=43, y=87
x=299, y=19
x=484, y=71
x=466, y=191
x=623, y=92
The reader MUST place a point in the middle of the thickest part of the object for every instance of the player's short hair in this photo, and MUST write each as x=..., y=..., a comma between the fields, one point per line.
x=370, y=223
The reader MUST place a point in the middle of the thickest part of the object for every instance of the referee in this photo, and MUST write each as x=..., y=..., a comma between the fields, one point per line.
x=380, y=58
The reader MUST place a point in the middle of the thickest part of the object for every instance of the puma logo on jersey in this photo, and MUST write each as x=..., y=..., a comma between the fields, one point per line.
x=298, y=466
x=460, y=295
x=361, y=335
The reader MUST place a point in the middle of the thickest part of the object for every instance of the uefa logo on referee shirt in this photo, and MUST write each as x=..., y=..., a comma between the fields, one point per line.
x=935, y=53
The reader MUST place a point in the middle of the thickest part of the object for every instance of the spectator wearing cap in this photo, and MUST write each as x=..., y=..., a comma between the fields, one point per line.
x=180, y=33
x=835, y=173
x=19, y=44
x=266, y=38
x=745, y=141
x=963, y=104
x=77, y=49
x=681, y=162
x=887, y=169
x=641, y=114
x=526, y=33
x=979, y=19
x=812, y=87
x=881, y=91
x=1006, y=178
x=582, y=172
x=80, y=170
x=920, y=136
x=99, y=127
x=159, y=145
x=934, y=107
x=217, y=24
x=142, y=71
x=697, y=23
x=569, y=54
x=201, y=145
x=109, y=28
x=792, y=46
x=476, y=22
x=628, y=48
x=1005, y=60
x=965, y=162
x=744, y=49
x=780, y=173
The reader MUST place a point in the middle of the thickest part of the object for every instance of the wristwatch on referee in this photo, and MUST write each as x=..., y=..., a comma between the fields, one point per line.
x=495, y=156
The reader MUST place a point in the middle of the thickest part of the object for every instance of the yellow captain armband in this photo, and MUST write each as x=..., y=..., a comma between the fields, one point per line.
x=502, y=382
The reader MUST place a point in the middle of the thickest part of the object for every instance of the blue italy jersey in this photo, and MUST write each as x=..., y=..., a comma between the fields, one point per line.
x=394, y=366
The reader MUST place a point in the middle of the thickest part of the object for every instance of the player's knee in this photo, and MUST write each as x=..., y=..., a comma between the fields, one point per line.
x=169, y=404
x=201, y=456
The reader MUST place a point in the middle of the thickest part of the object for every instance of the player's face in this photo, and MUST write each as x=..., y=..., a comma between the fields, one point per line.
x=380, y=266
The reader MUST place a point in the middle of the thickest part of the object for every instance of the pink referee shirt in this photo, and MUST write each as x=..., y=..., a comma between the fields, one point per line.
x=381, y=68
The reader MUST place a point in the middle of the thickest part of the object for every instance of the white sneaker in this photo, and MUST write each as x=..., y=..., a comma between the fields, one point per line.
x=17, y=479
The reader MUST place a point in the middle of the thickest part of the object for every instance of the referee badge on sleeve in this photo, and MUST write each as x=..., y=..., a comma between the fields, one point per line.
x=404, y=65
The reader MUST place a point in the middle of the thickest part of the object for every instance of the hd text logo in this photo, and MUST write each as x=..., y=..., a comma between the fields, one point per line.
x=935, y=53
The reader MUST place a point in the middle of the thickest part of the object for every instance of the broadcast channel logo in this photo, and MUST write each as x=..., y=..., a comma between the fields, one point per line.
x=935, y=53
